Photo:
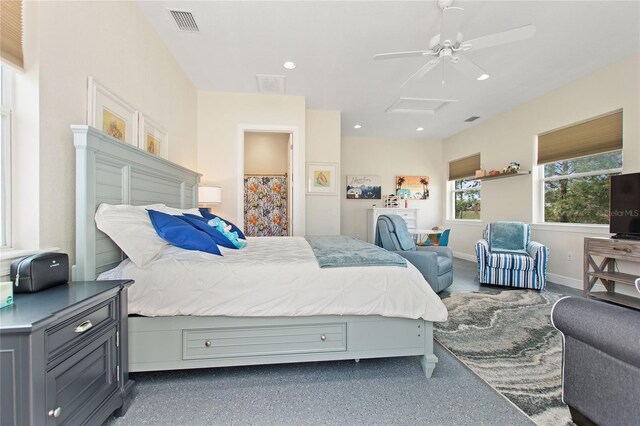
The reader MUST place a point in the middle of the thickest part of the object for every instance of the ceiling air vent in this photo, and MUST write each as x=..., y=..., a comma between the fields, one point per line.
x=418, y=106
x=271, y=83
x=184, y=20
x=472, y=118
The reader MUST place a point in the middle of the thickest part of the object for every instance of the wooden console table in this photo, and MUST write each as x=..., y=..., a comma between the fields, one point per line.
x=611, y=251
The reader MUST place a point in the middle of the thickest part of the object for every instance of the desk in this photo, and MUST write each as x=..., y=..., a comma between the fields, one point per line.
x=431, y=234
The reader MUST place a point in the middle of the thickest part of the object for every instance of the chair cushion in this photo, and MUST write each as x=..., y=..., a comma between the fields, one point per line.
x=506, y=237
x=521, y=262
x=445, y=265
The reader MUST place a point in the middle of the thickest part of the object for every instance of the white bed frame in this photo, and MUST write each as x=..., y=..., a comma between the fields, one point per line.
x=109, y=171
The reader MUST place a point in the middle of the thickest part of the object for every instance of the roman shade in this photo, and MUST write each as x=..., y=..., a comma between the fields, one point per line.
x=11, y=32
x=464, y=167
x=596, y=136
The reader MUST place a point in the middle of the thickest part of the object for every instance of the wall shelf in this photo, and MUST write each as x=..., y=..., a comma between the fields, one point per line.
x=505, y=175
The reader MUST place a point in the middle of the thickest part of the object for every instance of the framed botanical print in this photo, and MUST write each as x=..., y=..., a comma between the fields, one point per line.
x=322, y=178
x=153, y=138
x=110, y=114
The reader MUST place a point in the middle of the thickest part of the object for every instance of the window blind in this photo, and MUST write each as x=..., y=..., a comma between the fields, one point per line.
x=602, y=134
x=11, y=32
x=464, y=167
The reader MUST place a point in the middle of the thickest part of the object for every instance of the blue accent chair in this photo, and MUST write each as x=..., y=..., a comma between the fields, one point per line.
x=434, y=263
x=525, y=268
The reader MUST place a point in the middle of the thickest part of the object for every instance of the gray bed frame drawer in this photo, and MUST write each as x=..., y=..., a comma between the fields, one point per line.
x=83, y=326
x=257, y=341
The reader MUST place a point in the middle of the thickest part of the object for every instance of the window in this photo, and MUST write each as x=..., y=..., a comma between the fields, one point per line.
x=577, y=190
x=5, y=156
x=466, y=199
x=575, y=165
x=464, y=189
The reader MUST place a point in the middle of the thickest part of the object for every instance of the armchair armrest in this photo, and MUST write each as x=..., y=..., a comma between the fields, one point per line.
x=441, y=251
x=426, y=262
x=540, y=254
x=608, y=328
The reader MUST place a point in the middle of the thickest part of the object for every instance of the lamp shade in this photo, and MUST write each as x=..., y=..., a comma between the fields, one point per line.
x=209, y=194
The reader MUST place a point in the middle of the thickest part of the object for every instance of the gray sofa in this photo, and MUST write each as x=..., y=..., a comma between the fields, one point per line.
x=434, y=263
x=601, y=361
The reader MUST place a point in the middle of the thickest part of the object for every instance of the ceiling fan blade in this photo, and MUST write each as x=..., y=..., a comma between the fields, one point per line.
x=471, y=68
x=503, y=37
x=422, y=71
x=450, y=25
x=409, y=54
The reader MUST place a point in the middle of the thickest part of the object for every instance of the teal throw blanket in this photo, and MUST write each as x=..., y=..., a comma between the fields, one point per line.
x=508, y=237
x=337, y=251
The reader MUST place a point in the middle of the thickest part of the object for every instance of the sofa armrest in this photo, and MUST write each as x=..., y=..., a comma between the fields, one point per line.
x=426, y=262
x=612, y=329
x=441, y=251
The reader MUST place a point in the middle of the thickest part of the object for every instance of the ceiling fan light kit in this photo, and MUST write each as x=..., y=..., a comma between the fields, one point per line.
x=450, y=46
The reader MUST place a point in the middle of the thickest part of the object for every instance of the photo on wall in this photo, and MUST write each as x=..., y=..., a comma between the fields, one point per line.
x=413, y=187
x=367, y=187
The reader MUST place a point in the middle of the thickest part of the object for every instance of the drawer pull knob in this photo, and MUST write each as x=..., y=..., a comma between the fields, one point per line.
x=624, y=249
x=208, y=343
x=323, y=337
x=55, y=413
x=83, y=327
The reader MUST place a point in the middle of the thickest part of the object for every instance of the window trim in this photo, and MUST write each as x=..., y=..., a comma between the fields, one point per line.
x=6, y=117
x=543, y=180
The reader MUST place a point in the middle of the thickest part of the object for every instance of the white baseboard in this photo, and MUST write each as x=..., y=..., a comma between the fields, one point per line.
x=567, y=281
x=465, y=256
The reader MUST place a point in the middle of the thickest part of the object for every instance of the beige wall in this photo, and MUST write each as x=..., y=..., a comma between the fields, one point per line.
x=389, y=158
x=323, y=146
x=266, y=153
x=65, y=43
x=512, y=137
x=221, y=120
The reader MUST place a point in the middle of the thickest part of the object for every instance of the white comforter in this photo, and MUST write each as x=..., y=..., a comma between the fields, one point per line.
x=273, y=277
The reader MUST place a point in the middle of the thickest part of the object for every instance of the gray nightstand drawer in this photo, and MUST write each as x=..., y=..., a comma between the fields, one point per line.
x=78, y=384
x=80, y=327
x=258, y=341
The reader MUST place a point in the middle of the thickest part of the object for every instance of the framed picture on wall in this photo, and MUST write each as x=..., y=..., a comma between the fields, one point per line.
x=153, y=138
x=322, y=178
x=110, y=114
x=413, y=187
x=364, y=187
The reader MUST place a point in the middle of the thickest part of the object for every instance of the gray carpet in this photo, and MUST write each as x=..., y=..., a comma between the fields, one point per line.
x=377, y=392
x=507, y=338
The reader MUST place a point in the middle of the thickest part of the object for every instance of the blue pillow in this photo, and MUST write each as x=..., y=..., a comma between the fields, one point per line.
x=201, y=224
x=179, y=233
x=208, y=215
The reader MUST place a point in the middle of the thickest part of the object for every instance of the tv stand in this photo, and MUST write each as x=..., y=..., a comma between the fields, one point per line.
x=611, y=250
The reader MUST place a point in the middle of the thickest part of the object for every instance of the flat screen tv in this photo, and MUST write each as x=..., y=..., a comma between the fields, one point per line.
x=624, y=206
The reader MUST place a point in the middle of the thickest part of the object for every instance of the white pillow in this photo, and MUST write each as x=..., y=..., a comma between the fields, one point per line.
x=131, y=229
x=176, y=212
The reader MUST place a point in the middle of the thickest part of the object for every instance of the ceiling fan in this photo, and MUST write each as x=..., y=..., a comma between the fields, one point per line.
x=450, y=44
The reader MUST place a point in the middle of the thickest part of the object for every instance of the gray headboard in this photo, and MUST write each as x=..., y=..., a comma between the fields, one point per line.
x=110, y=171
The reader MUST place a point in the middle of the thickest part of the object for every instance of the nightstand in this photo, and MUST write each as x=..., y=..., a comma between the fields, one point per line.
x=63, y=355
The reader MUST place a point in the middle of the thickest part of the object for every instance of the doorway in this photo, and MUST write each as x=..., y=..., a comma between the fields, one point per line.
x=267, y=185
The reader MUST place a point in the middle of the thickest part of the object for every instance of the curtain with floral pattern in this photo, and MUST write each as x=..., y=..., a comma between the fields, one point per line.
x=265, y=206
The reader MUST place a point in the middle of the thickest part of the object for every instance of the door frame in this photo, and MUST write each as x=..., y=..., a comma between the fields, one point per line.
x=297, y=189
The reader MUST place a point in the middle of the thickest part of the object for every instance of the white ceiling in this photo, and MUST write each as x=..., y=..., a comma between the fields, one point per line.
x=333, y=42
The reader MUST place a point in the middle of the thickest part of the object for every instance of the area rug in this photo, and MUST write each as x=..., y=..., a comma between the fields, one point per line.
x=507, y=339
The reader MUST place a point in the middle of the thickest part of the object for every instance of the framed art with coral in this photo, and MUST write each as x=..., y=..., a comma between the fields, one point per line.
x=110, y=114
x=322, y=178
x=153, y=138
x=413, y=187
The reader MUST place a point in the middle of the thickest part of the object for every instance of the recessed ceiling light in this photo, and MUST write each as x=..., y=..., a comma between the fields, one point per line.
x=289, y=65
x=419, y=129
x=357, y=126
x=483, y=77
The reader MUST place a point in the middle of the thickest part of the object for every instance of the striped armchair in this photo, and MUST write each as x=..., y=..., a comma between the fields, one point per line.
x=524, y=269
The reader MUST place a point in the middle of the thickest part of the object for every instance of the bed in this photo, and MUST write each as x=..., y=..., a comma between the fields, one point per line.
x=194, y=335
